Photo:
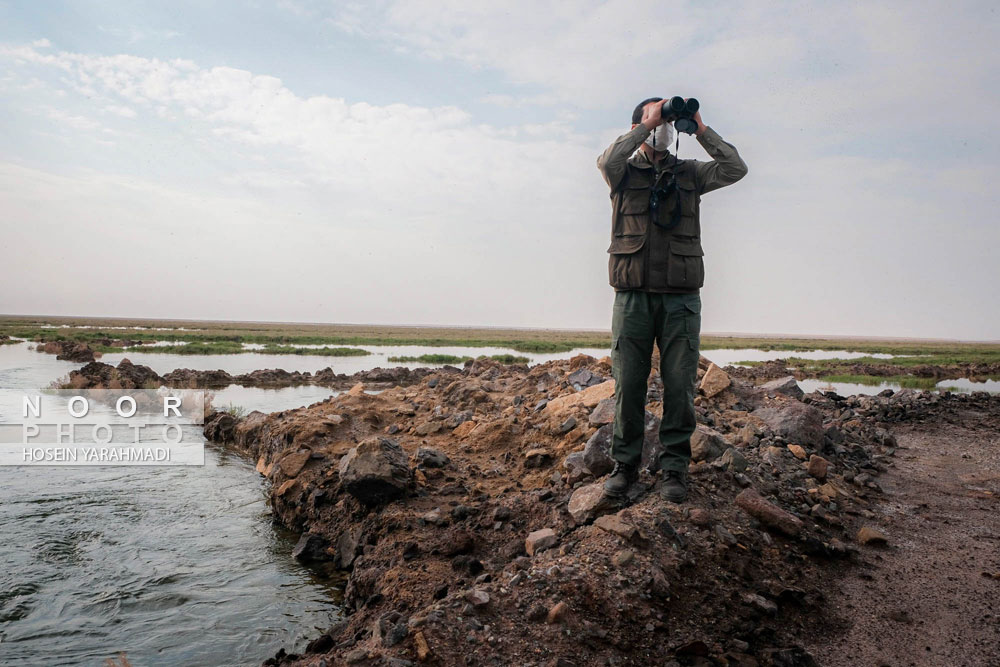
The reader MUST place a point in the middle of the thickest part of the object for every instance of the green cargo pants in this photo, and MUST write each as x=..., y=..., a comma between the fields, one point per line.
x=674, y=322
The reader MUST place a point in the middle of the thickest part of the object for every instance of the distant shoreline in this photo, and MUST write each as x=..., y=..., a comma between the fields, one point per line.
x=80, y=320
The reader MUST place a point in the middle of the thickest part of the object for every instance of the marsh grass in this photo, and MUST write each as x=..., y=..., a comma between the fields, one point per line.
x=521, y=340
x=431, y=359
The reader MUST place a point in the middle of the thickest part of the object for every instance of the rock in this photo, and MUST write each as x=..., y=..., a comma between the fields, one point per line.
x=587, y=398
x=817, y=467
x=871, y=535
x=428, y=427
x=540, y=540
x=623, y=557
x=423, y=648
x=583, y=377
x=357, y=389
x=465, y=428
x=732, y=460
x=786, y=385
x=347, y=547
x=587, y=502
x=706, y=444
x=292, y=464
x=568, y=425
x=700, y=517
x=762, y=603
x=537, y=457
x=714, y=382
x=576, y=469
x=597, y=452
x=431, y=458
x=604, y=413
x=613, y=523
x=798, y=452
x=375, y=471
x=557, y=613
x=310, y=547
x=477, y=598
x=768, y=513
x=794, y=421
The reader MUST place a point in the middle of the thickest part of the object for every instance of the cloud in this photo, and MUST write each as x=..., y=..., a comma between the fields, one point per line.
x=850, y=221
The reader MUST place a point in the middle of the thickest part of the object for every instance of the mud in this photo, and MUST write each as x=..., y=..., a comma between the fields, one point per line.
x=929, y=596
x=778, y=368
x=472, y=555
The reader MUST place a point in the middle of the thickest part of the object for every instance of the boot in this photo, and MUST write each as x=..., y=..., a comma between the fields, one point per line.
x=622, y=477
x=673, y=488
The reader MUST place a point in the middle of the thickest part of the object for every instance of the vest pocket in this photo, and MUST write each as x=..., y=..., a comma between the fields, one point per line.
x=634, y=218
x=625, y=261
x=686, y=267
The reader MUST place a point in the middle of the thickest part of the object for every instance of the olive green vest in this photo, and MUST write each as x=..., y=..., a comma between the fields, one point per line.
x=643, y=255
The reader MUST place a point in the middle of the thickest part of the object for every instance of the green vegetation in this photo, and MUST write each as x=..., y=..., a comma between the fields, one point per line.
x=287, y=338
x=432, y=359
x=237, y=411
x=818, y=367
x=452, y=359
x=228, y=347
x=509, y=359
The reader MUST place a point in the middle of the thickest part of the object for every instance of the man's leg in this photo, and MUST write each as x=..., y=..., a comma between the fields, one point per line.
x=632, y=335
x=678, y=340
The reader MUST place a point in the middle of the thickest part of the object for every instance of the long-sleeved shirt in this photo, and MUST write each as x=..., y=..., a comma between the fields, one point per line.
x=725, y=168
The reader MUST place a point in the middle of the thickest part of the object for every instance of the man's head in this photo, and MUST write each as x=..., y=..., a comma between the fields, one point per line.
x=637, y=113
x=656, y=144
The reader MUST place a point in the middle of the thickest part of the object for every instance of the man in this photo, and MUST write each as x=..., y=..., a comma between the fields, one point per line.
x=655, y=265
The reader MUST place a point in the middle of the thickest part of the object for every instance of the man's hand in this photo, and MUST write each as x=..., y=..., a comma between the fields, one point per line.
x=652, y=115
x=701, y=126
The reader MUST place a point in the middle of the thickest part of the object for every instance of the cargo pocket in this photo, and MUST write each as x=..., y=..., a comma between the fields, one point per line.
x=634, y=217
x=692, y=327
x=625, y=261
x=686, y=268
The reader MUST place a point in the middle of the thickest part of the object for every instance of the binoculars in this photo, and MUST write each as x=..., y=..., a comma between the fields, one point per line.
x=682, y=112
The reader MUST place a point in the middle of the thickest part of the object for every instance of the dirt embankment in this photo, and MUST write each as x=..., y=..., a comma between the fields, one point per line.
x=778, y=368
x=467, y=509
x=130, y=376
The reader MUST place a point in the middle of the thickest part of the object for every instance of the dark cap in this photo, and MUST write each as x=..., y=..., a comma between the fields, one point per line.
x=637, y=114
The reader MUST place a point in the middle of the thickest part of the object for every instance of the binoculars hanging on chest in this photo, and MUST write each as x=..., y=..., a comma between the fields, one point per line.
x=682, y=112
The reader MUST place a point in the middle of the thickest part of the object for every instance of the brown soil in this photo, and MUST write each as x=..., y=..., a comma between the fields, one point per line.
x=738, y=575
x=932, y=595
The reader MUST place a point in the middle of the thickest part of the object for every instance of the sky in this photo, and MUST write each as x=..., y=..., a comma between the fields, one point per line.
x=435, y=162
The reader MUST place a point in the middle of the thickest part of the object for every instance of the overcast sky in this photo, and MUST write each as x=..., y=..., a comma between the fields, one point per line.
x=434, y=162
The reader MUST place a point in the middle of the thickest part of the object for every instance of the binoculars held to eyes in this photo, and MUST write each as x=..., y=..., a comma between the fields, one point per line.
x=682, y=112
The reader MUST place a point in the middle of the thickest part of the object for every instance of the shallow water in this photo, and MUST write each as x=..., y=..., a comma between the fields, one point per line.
x=171, y=565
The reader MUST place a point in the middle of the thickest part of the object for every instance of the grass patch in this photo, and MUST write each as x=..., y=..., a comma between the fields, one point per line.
x=313, y=351
x=432, y=359
x=237, y=411
x=509, y=359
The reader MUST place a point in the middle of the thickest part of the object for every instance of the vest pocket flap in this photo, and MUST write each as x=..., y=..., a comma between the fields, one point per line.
x=685, y=181
x=687, y=248
x=626, y=244
x=635, y=202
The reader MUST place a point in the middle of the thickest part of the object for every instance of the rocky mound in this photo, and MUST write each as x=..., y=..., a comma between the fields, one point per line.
x=467, y=510
x=67, y=350
x=98, y=375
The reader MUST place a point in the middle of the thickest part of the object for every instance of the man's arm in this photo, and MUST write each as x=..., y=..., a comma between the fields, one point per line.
x=726, y=166
x=613, y=160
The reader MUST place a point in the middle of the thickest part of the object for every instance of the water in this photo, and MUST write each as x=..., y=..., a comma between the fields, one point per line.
x=171, y=565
